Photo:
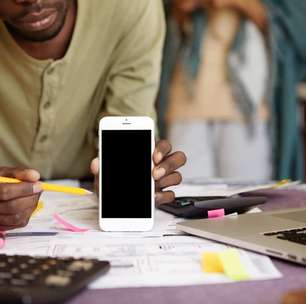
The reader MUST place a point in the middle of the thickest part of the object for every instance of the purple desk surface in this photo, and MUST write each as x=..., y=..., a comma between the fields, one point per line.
x=260, y=292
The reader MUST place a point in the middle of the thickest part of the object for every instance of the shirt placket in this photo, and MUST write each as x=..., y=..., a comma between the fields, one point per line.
x=43, y=144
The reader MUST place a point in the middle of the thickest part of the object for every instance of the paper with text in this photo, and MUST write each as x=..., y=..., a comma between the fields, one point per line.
x=161, y=257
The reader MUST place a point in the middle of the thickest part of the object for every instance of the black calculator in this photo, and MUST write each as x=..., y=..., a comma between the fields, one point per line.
x=44, y=280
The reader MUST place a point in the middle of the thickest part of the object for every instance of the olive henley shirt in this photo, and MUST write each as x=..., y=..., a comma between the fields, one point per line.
x=49, y=109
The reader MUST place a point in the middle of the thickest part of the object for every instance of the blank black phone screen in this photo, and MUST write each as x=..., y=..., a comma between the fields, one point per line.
x=126, y=173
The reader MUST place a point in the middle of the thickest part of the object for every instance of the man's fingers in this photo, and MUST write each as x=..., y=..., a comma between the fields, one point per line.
x=173, y=179
x=162, y=148
x=170, y=164
x=164, y=173
x=96, y=185
x=164, y=197
x=28, y=175
x=5, y=228
x=18, y=205
x=95, y=166
x=16, y=220
x=12, y=191
x=11, y=219
x=9, y=222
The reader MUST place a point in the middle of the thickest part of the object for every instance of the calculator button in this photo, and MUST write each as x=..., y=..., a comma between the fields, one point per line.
x=5, y=275
x=23, y=266
x=45, y=267
x=80, y=265
x=55, y=280
x=65, y=273
x=18, y=282
x=36, y=272
x=15, y=270
x=28, y=276
x=51, y=262
x=32, y=261
x=11, y=260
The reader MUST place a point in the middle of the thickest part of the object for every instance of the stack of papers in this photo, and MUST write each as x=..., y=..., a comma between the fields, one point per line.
x=165, y=261
x=223, y=189
x=161, y=257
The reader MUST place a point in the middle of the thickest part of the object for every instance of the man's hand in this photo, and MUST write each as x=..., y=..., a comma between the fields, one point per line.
x=18, y=201
x=164, y=172
x=95, y=171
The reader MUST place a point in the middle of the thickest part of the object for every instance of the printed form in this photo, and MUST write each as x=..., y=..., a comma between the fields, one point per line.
x=161, y=257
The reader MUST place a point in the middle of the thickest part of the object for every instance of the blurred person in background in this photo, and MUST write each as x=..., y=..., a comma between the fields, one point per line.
x=228, y=89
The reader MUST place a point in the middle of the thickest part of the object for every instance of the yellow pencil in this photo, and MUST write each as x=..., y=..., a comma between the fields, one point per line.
x=50, y=187
x=281, y=183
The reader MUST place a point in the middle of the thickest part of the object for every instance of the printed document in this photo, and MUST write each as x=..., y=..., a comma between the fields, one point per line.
x=161, y=257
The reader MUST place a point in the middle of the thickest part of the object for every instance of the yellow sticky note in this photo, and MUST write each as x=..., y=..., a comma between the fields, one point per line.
x=40, y=206
x=232, y=265
x=211, y=263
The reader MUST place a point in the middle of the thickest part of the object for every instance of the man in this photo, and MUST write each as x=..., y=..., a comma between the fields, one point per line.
x=63, y=65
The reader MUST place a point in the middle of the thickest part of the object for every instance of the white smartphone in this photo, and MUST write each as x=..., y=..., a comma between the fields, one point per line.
x=126, y=196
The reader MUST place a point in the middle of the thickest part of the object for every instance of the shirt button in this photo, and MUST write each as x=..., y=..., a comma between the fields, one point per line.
x=43, y=138
x=47, y=105
x=50, y=70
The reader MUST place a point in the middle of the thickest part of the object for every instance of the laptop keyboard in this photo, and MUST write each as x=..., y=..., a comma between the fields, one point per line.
x=293, y=235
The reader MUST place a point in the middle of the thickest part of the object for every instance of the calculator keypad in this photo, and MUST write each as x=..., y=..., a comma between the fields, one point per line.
x=50, y=272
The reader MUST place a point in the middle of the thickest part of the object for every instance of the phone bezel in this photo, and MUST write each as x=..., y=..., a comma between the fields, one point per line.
x=126, y=123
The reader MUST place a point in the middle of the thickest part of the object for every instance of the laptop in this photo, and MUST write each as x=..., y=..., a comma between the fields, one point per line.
x=280, y=234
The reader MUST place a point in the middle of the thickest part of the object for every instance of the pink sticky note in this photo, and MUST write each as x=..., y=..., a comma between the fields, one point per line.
x=67, y=225
x=2, y=239
x=216, y=213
